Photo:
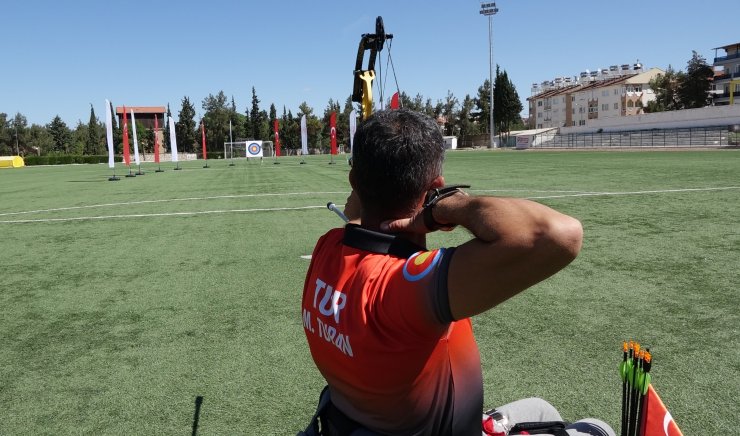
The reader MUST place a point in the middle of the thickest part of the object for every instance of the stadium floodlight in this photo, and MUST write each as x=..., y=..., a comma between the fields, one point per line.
x=489, y=10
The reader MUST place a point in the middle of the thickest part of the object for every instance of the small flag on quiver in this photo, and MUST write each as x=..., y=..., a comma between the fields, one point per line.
x=657, y=419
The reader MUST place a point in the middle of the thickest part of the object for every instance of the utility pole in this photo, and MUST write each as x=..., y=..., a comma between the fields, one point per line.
x=489, y=10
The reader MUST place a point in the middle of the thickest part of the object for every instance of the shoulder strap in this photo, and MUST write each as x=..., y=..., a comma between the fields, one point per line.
x=376, y=242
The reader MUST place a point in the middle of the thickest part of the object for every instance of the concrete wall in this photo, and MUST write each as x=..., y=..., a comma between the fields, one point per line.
x=704, y=117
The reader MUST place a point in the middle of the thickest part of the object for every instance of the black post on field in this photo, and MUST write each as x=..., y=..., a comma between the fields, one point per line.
x=196, y=415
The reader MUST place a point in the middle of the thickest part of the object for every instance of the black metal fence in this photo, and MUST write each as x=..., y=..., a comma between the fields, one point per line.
x=687, y=137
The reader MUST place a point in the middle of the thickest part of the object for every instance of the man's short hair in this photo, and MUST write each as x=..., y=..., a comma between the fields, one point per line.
x=396, y=155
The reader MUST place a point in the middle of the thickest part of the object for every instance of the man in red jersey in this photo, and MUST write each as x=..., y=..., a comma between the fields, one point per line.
x=387, y=320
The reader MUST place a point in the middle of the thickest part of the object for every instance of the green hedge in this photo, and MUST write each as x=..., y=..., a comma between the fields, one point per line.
x=64, y=159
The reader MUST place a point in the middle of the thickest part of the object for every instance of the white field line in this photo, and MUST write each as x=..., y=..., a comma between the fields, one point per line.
x=129, y=203
x=277, y=209
x=149, y=215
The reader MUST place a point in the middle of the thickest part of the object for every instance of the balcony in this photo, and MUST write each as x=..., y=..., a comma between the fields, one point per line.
x=726, y=58
x=725, y=76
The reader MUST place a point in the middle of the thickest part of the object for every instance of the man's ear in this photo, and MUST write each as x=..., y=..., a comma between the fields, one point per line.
x=437, y=183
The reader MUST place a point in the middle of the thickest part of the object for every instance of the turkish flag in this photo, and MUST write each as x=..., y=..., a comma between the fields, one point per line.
x=276, y=126
x=394, y=101
x=657, y=420
x=333, y=126
x=126, y=153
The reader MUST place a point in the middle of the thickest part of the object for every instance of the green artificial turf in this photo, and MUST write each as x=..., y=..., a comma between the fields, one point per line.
x=121, y=302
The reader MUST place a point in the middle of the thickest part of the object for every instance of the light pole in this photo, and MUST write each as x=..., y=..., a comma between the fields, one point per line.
x=489, y=10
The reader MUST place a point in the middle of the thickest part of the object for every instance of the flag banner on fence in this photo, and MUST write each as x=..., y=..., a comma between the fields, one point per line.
x=658, y=420
x=254, y=149
x=126, y=153
x=352, y=129
x=333, y=132
x=136, y=141
x=394, y=101
x=109, y=134
x=275, y=126
x=156, y=139
x=304, y=136
x=173, y=139
x=203, y=138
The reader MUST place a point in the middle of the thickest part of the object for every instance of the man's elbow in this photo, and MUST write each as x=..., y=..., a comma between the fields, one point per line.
x=570, y=237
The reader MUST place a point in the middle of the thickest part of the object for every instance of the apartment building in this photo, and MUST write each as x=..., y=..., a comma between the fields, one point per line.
x=605, y=93
x=726, y=86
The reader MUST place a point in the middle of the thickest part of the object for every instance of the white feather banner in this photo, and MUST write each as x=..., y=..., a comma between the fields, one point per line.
x=136, y=142
x=352, y=130
x=109, y=134
x=304, y=136
x=173, y=139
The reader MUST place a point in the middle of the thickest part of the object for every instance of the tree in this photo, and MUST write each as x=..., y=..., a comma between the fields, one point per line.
x=92, y=142
x=483, y=103
x=693, y=90
x=467, y=120
x=60, y=135
x=506, y=104
x=78, y=138
x=255, y=128
x=665, y=87
x=5, y=135
x=450, y=113
x=238, y=122
x=217, y=120
x=185, y=126
x=40, y=139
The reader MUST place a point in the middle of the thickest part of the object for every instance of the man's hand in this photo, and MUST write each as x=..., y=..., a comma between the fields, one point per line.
x=417, y=224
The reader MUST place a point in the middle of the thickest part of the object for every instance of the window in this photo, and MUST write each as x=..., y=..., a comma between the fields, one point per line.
x=605, y=106
x=737, y=68
x=539, y=114
x=616, y=106
x=573, y=111
x=555, y=101
x=573, y=123
x=582, y=122
x=539, y=103
x=563, y=99
x=605, y=93
x=616, y=91
x=630, y=104
x=573, y=97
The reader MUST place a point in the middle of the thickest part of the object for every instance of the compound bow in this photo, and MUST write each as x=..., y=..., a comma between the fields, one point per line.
x=362, y=91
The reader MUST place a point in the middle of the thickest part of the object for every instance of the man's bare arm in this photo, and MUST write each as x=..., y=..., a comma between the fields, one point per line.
x=517, y=243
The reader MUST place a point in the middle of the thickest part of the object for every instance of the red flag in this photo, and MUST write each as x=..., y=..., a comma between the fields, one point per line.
x=275, y=126
x=126, y=153
x=657, y=420
x=156, y=139
x=394, y=101
x=333, y=126
x=203, y=138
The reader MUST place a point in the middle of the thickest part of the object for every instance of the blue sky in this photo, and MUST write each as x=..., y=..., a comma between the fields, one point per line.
x=60, y=56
